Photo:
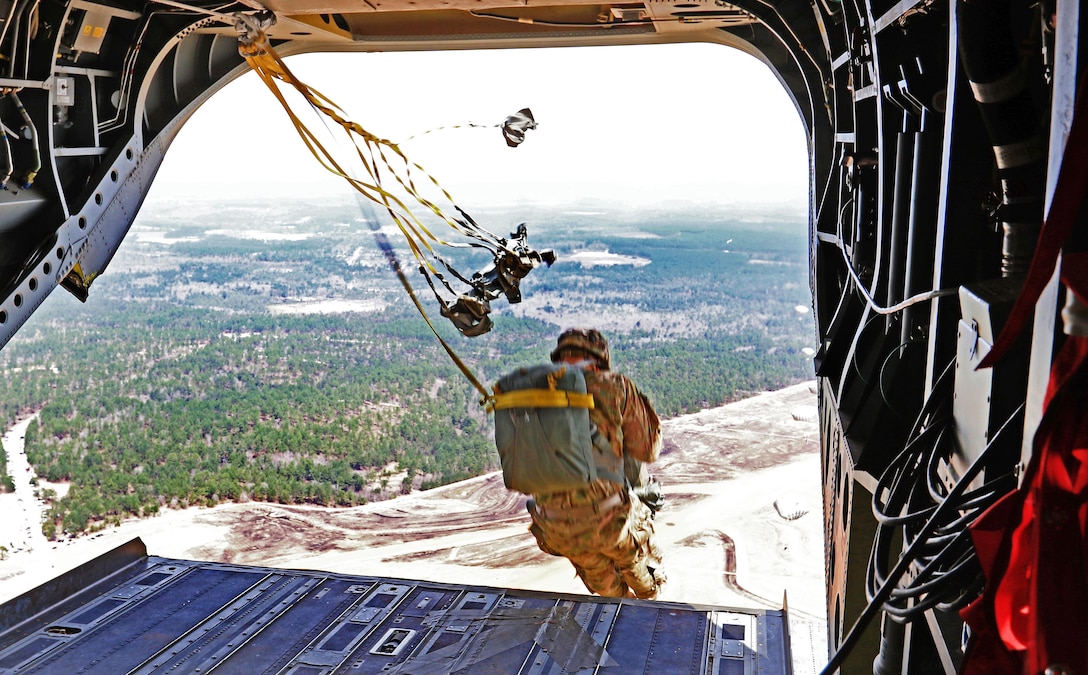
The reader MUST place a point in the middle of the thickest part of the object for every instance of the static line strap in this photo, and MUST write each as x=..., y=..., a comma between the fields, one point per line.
x=485, y=396
x=225, y=18
x=468, y=125
x=263, y=59
x=541, y=398
x=407, y=224
x=270, y=67
x=394, y=263
x=270, y=61
x=374, y=192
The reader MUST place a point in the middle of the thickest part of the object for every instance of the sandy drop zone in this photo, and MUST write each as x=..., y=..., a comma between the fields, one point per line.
x=725, y=541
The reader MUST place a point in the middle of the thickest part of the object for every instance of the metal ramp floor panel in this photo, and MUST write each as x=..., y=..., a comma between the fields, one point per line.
x=128, y=612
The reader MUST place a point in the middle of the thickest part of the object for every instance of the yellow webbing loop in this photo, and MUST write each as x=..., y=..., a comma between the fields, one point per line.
x=555, y=376
x=541, y=398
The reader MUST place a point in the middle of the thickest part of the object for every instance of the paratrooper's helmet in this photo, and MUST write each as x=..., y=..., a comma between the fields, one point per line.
x=587, y=341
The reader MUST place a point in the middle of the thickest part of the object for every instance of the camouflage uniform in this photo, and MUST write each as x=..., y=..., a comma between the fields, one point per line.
x=606, y=533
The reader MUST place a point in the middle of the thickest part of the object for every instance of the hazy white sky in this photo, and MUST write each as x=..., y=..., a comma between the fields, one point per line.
x=640, y=125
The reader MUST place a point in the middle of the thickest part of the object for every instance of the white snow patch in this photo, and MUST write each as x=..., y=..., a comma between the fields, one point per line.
x=758, y=261
x=262, y=235
x=159, y=237
x=328, y=307
x=590, y=259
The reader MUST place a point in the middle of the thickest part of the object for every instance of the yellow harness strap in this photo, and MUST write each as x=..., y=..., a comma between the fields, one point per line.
x=268, y=65
x=541, y=398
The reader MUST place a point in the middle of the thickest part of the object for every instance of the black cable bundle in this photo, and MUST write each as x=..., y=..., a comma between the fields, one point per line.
x=938, y=567
x=943, y=571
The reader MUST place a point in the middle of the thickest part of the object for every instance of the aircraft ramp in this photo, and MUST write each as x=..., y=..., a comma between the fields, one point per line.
x=130, y=612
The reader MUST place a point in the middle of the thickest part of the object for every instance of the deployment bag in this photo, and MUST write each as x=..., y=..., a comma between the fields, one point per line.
x=542, y=429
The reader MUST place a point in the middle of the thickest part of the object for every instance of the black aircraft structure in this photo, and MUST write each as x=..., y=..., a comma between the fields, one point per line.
x=947, y=164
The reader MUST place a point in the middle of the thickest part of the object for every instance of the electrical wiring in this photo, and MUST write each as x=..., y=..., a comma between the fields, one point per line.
x=120, y=117
x=571, y=24
x=727, y=18
x=900, y=348
x=16, y=18
x=944, y=571
x=854, y=356
x=883, y=586
x=860, y=285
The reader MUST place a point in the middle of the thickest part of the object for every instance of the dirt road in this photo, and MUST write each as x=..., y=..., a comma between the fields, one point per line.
x=21, y=524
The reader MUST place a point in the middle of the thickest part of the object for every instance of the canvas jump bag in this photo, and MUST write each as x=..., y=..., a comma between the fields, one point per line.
x=543, y=432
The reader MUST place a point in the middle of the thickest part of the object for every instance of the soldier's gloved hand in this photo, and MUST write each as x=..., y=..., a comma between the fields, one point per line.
x=651, y=495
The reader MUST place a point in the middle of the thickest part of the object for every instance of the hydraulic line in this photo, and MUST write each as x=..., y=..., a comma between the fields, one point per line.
x=922, y=217
x=30, y=174
x=5, y=153
x=226, y=18
x=120, y=117
x=14, y=16
x=6, y=165
x=26, y=12
x=7, y=21
x=904, y=161
x=29, y=32
x=571, y=24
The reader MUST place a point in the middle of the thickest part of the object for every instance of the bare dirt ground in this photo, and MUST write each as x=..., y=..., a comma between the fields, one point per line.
x=725, y=543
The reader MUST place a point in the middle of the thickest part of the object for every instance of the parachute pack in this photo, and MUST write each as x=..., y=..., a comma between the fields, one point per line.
x=543, y=432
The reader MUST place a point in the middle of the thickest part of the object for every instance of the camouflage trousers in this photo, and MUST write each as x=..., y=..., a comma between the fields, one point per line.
x=606, y=534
